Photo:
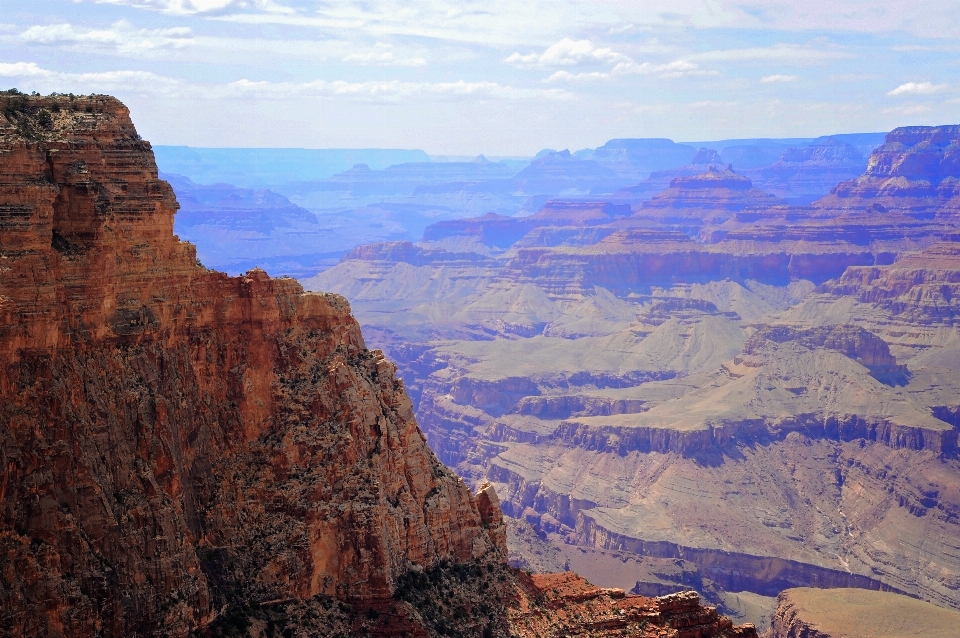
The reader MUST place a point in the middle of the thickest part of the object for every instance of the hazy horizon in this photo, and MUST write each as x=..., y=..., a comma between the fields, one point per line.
x=502, y=79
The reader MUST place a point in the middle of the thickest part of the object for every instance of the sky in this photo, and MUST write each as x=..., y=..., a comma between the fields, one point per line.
x=498, y=77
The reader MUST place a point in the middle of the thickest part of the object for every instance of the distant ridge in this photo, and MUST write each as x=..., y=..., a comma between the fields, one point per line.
x=261, y=167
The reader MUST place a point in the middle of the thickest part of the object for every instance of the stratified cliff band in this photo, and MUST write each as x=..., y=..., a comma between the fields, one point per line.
x=172, y=438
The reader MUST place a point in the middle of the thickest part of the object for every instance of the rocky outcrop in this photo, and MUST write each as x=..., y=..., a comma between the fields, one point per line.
x=558, y=222
x=566, y=604
x=491, y=229
x=849, y=613
x=921, y=287
x=851, y=341
x=636, y=158
x=635, y=261
x=917, y=170
x=579, y=213
x=706, y=198
x=703, y=161
x=563, y=173
x=175, y=441
x=734, y=571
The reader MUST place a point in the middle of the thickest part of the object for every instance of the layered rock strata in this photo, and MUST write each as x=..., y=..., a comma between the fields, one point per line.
x=773, y=399
x=565, y=604
x=916, y=171
x=174, y=440
x=710, y=196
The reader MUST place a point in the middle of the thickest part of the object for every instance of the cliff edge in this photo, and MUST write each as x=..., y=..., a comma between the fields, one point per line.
x=173, y=440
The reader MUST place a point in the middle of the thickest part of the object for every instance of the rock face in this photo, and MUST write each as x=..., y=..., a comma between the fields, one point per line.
x=710, y=197
x=921, y=288
x=858, y=613
x=172, y=439
x=636, y=158
x=795, y=174
x=566, y=604
x=916, y=170
x=563, y=173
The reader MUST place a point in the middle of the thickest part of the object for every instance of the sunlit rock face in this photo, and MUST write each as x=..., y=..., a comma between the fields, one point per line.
x=173, y=439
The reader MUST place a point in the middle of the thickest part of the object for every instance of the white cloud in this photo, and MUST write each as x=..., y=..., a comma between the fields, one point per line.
x=626, y=66
x=45, y=80
x=780, y=52
x=391, y=90
x=918, y=88
x=567, y=52
x=566, y=76
x=23, y=70
x=770, y=79
x=141, y=82
x=191, y=7
x=675, y=69
x=485, y=22
x=382, y=54
x=924, y=18
x=541, y=21
x=916, y=109
x=121, y=37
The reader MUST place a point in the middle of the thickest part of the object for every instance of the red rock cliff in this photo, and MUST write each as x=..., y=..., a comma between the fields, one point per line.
x=171, y=437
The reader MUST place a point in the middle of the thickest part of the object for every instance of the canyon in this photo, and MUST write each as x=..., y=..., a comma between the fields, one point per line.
x=298, y=211
x=760, y=389
x=189, y=453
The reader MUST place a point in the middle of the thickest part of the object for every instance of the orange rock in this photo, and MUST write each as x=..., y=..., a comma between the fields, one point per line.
x=174, y=439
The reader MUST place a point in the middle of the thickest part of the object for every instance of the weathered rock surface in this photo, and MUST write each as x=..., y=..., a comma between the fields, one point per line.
x=565, y=604
x=917, y=171
x=920, y=288
x=858, y=613
x=174, y=440
x=707, y=198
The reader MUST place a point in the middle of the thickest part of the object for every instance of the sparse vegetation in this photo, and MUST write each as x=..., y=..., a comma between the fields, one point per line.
x=460, y=600
x=44, y=119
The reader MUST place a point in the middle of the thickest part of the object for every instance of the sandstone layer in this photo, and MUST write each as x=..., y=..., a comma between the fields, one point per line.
x=175, y=440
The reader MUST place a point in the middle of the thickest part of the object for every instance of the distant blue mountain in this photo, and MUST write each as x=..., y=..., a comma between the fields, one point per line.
x=637, y=158
x=296, y=211
x=753, y=153
x=272, y=167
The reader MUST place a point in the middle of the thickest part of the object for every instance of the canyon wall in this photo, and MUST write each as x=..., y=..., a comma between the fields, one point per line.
x=716, y=376
x=174, y=440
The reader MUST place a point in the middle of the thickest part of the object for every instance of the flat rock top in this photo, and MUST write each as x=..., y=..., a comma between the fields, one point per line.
x=862, y=613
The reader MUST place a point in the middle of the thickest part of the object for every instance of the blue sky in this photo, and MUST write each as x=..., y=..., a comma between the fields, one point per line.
x=491, y=76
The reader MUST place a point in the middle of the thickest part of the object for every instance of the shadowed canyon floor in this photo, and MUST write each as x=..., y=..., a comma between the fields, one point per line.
x=766, y=391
